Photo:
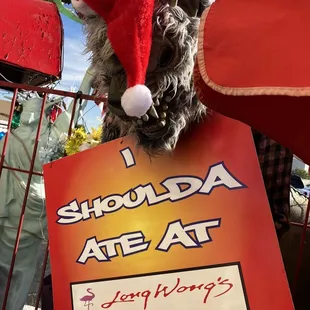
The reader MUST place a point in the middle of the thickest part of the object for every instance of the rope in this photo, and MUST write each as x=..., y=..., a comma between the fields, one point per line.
x=295, y=191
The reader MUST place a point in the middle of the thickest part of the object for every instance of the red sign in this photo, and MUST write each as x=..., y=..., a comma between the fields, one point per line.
x=192, y=230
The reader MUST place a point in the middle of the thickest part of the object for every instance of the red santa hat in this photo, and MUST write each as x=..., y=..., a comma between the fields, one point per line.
x=129, y=24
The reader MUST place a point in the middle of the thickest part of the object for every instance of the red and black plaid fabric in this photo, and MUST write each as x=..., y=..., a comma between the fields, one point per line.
x=276, y=165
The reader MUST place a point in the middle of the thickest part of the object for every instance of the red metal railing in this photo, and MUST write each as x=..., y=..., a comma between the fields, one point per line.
x=31, y=172
x=305, y=227
x=79, y=96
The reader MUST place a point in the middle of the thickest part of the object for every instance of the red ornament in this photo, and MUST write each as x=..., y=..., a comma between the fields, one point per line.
x=56, y=111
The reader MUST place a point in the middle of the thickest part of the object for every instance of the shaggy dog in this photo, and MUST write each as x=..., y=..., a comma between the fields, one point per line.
x=169, y=76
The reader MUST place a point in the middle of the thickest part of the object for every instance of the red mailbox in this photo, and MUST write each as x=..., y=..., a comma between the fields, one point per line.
x=31, y=48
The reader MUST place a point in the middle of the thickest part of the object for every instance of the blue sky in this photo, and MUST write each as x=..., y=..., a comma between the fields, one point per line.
x=76, y=64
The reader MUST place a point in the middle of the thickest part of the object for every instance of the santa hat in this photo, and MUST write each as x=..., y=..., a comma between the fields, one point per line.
x=129, y=24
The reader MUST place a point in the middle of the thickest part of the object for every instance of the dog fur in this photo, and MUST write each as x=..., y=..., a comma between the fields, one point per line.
x=169, y=76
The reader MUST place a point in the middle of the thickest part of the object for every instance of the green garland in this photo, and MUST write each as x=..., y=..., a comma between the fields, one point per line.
x=63, y=10
x=16, y=119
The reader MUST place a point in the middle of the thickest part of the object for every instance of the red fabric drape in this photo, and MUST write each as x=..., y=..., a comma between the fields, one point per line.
x=254, y=66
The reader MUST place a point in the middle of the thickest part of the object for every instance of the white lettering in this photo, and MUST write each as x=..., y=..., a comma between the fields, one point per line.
x=177, y=233
x=152, y=197
x=110, y=245
x=92, y=250
x=86, y=211
x=112, y=203
x=69, y=214
x=201, y=229
x=219, y=176
x=129, y=243
x=133, y=243
x=139, y=197
x=177, y=188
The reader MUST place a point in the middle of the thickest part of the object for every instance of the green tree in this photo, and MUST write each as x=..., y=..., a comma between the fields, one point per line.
x=302, y=173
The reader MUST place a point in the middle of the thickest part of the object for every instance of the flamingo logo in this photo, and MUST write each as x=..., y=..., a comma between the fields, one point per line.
x=87, y=299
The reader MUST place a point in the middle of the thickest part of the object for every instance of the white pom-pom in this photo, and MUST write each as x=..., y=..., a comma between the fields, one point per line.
x=137, y=100
x=82, y=7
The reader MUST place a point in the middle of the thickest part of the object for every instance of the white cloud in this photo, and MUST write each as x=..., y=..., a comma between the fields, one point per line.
x=75, y=66
x=75, y=63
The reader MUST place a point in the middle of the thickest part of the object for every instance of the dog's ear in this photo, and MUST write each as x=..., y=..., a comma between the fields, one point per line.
x=193, y=8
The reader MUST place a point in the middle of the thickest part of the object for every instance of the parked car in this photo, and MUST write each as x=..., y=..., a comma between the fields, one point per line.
x=298, y=184
x=296, y=181
x=305, y=191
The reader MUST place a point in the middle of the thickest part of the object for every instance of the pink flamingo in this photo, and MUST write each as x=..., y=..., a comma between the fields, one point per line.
x=88, y=298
